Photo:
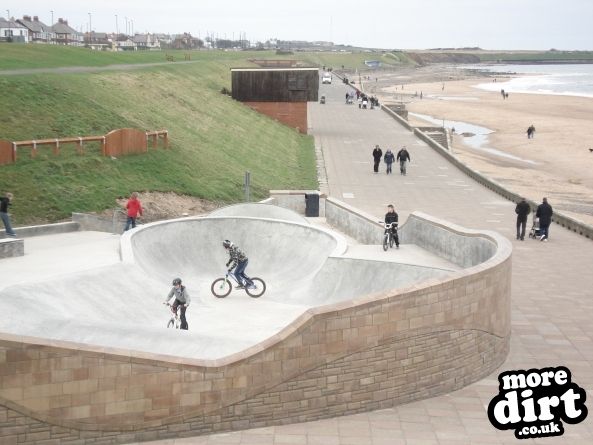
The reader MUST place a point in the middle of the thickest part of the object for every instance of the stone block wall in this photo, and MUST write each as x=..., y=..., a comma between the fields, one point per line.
x=11, y=247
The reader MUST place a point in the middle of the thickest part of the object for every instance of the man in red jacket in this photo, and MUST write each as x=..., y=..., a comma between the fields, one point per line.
x=134, y=209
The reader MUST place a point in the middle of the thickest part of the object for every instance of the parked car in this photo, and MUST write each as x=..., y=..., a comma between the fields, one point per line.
x=326, y=78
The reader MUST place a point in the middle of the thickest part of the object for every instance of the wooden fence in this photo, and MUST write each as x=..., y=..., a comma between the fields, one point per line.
x=120, y=142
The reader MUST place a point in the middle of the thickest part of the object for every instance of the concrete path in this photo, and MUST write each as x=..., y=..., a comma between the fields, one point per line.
x=552, y=309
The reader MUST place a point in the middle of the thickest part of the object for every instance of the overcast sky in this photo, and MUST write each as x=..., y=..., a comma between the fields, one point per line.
x=490, y=24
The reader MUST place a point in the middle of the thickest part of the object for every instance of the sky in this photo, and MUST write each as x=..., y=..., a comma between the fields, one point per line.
x=389, y=24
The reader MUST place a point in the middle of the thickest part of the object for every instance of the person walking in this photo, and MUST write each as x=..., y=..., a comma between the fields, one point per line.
x=403, y=156
x=4, y=203
x=181, y=301
x=544, y=212
x=522, y=210
x=389, y=158
x=134, y=209
x=377, y=154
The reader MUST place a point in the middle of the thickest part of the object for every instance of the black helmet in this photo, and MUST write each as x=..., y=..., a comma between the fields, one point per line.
x=226, y=244
x=176, y=281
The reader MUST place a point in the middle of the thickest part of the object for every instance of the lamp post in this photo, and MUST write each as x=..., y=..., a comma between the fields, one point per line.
x=8, y=18
x=126, y=19
x=132, y=22
x=51, y=28
x=90, y=27
x=116, y=26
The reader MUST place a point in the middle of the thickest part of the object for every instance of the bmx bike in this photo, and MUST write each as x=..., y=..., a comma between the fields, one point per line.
x=174, y=320
x=389, y=236
x=221, y=287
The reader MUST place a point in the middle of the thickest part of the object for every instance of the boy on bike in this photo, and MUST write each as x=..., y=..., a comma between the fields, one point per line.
x=239, y=262
x=182, y=300
x=391, y=217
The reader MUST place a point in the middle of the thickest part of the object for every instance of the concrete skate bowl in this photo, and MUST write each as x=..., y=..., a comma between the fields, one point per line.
x=339, y=356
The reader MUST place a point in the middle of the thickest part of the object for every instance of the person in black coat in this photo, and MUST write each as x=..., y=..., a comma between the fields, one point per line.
x=544, y=213
x=522, y=210
x=377, y=154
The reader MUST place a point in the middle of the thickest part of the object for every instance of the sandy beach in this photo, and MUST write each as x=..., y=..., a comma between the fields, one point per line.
x=556, y=163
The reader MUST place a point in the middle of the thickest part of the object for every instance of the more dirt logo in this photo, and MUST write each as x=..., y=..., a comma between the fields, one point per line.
x=535, y=403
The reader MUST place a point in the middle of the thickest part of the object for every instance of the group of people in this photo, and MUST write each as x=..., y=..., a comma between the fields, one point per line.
x=362, y=99
x=403, y=157
x=530, y=132
x=178, y=297
x=543, y=215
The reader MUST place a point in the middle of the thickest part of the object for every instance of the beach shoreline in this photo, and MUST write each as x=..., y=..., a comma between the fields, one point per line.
x=561, y=163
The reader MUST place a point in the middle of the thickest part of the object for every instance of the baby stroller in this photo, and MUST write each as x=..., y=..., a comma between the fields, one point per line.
x=535, y=231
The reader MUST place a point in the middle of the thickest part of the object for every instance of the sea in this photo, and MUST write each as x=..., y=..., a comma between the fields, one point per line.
x=557, y=79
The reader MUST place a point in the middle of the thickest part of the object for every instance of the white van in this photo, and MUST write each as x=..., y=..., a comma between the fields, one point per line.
x=326, y=78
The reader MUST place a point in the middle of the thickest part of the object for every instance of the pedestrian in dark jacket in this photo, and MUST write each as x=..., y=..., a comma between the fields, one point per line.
x=544, y=213
x=377, y=154
x=4, y=203
x=389, y=158
x=522, y=210
x=403, y=156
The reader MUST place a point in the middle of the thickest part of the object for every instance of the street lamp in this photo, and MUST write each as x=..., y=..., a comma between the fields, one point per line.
x=90, y=26
x=51, y=27
x=132, y=21
x=8, y=18
x=126, y=19
x=116, y=26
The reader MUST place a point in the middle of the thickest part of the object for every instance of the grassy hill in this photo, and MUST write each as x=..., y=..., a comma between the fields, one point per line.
x=214, y=139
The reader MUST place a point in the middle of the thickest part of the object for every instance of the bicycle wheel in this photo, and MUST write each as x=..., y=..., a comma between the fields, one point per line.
x=391, y=241
x=256, y=289
x=221, y=287
x=171, y=323
x=386, y=242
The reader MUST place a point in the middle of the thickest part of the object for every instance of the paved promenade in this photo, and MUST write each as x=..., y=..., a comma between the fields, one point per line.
x=552, y=310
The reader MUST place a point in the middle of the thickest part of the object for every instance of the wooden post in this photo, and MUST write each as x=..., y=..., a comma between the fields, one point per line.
x=79, y=148
x=103, y=147
x=57, y=147
x=166, y=138
x=155, y=140
x=14, y=152
x=34, y=150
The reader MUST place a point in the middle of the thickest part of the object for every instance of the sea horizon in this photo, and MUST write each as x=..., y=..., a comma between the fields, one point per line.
x=555, y=79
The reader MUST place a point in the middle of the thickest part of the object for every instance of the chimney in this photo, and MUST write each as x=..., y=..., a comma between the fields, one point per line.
x=27, y=18
x=35, y=18
x=66, y=22
x=60, y=20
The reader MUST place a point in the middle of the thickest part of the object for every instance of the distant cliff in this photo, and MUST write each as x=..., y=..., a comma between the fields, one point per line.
x=426, y=58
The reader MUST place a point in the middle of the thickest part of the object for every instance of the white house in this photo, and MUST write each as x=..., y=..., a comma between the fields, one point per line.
x=39, y=32
x=12, y=31
x=146, y=41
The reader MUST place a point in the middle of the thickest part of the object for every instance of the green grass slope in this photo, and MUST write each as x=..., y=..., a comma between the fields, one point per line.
x=214, y=139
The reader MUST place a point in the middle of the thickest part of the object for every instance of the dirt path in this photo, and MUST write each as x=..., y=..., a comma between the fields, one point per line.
x=87, y=69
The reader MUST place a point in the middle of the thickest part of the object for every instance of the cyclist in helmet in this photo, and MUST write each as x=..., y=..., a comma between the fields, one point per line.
x=182, y=300
x=238, y=261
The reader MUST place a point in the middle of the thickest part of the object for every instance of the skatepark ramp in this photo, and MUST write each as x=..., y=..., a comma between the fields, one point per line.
x=342, y=328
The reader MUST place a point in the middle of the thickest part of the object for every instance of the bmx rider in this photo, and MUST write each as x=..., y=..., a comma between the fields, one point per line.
x=238, y=261
x=391, y=217
x=182, y=300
